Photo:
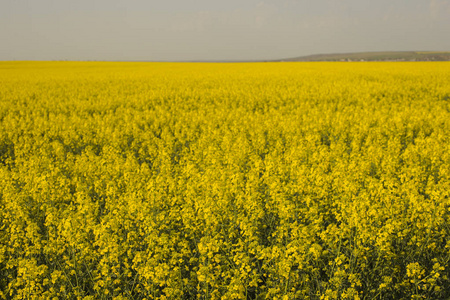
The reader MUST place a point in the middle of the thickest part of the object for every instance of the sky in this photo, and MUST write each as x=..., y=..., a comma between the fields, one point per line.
x=190, y=30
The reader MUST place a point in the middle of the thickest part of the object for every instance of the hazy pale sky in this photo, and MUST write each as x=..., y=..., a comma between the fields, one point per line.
x=217, y=30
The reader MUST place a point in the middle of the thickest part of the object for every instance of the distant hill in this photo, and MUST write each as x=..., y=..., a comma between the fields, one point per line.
x=376, y=56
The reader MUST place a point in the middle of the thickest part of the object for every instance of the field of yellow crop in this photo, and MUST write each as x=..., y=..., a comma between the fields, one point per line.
x=224, y=181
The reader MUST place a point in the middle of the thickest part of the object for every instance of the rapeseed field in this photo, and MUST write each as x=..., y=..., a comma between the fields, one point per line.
x=224, y=181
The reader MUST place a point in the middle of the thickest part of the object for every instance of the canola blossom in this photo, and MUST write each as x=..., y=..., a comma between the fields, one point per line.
x=224, y=181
